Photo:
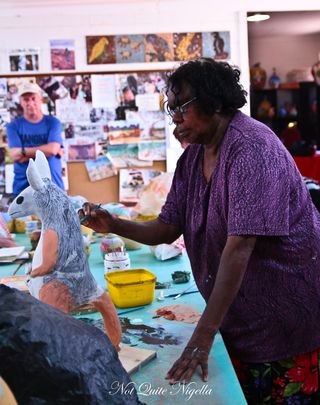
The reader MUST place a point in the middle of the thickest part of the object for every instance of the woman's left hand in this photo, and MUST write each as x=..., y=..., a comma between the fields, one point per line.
x=185, y=366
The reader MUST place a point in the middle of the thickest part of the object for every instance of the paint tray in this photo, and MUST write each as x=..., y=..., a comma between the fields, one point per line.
x=131, y=288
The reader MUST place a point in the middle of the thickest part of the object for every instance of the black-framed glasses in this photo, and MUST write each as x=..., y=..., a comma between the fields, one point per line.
x=180, y=109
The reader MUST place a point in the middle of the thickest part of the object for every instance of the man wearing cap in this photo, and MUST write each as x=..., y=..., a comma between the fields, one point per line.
x=31, y=132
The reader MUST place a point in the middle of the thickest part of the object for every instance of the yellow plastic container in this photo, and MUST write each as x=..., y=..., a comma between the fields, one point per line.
x=131, y=288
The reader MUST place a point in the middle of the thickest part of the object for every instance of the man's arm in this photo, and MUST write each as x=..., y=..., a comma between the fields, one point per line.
x=49, y=149
x=233, y=265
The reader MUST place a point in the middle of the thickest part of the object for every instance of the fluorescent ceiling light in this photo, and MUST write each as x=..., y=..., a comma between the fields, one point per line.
x=258, y=17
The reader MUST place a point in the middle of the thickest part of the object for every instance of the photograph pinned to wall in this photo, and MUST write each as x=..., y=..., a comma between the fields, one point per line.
x=100, y=49
x=126, y=155
x=152, y=150
x=53, y=87
x=72, y=83
x=4, y=117
x=129, y=48
x=103, y=91
x=187, y=46
x=3, y=87
x=102, y=115
x=127, y=89
x=24, y=60
x=148, y=102
x=78, y=152
x=120, y=132
x=100, y=168
x=68, y=130
x=68, y=110
x=152, y=123
x=62, y=54
x=216, y=45
x=92, y=131
x=151, y=82
x=158, y=47
x=2, y=169
x=132, y=182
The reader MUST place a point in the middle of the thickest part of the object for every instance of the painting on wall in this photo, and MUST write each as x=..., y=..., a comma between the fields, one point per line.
x=62, y=54
x=129, y=48
x=187, y=46
x=100, y=49
x=216, y=45
x=24, y=60
x=158, y=47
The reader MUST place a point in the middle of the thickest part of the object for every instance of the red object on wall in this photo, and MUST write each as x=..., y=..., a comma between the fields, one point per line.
x=309, y=166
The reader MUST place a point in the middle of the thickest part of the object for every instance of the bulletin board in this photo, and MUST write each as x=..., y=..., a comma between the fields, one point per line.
x=102, y=191
x=111, y=123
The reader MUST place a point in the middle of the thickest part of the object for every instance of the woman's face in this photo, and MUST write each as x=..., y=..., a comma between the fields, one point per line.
x=192, y=125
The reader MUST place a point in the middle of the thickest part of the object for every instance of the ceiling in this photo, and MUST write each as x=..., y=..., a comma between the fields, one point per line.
x=286, y=23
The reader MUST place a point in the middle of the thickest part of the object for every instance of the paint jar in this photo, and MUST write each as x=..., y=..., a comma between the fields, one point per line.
x=116, y=261
x=111, y=244
x=31, y=226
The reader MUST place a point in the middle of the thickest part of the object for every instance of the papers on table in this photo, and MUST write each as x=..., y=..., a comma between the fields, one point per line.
x=11, y=254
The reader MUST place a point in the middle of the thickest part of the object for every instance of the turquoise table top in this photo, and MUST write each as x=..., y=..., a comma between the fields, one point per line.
x=167, y=338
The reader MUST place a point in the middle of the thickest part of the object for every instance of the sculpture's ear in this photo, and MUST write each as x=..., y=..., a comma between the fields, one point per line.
x=42, y=165
x=33, y=176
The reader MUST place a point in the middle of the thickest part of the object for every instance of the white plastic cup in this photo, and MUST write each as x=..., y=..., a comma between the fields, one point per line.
x=116, y=261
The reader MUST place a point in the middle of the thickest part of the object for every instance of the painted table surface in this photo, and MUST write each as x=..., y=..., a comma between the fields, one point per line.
x=167, y=338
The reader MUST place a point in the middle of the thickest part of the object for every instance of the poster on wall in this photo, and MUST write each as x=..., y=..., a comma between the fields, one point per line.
x=103, y=91
x=62, y=54
x=133, y=181
x=100, y=168
x=85, y=151
x=126, y=155
x=129, y=48
x=100, y=49
x=24, y=60
x=216, y=45
x=158, y=47
x=187, y=46
x=152, y=150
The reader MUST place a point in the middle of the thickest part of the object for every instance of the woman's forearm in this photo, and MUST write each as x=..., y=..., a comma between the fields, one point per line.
x=151, y=232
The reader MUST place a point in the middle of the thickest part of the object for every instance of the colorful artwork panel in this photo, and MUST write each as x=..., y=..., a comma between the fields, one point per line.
x=158, y=47
x=187, y=46
x=216, y=45
x=100, y=49
x=129, y=48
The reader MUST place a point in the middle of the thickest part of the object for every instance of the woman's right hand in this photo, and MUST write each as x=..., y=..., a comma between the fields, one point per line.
x=95, y=218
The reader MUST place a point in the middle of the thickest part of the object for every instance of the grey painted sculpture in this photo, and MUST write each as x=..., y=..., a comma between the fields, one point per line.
x=60, y=273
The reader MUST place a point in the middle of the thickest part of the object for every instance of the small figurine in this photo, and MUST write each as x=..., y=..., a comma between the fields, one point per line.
x=258, y=76
x=274, y=79
x=315, y=70
x=60, y=274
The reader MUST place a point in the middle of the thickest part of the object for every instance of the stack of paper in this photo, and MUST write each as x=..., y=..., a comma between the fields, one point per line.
x=10, y=254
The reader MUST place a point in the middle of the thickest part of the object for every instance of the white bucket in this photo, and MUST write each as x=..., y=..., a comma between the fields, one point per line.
x=116, y=261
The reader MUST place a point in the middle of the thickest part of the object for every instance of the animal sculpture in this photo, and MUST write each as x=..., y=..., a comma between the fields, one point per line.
x=60, y=274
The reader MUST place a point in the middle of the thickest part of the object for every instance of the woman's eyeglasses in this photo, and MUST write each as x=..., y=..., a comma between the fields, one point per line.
x=180, y=109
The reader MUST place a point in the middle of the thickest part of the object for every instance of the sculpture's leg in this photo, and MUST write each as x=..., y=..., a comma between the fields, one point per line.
x=56, y=294
x=110, y=317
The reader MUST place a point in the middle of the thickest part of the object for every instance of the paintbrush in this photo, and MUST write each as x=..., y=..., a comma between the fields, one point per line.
x=129, y=310
x=96, y=207
x=184, y=291
x=179, y=295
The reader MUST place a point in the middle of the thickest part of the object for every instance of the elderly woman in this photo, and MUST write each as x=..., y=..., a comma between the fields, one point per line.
x=252, y=235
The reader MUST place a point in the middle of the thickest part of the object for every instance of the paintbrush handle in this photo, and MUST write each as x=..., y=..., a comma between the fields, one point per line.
x=96, y=207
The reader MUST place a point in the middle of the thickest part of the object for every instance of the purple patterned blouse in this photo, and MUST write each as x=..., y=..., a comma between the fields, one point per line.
x=255, y=189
